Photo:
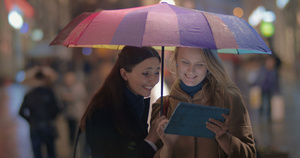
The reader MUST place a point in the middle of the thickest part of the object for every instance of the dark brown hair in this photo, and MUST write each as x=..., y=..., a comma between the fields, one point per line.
x=111, y=92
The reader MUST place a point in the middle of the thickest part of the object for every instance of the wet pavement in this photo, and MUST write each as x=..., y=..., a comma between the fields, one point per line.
x=14, y=133
x=283, y=136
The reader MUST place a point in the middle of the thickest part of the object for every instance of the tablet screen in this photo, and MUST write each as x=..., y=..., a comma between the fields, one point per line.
x=190, y=120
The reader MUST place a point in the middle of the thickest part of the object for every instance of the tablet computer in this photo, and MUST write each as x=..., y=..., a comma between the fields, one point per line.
x=190, y=120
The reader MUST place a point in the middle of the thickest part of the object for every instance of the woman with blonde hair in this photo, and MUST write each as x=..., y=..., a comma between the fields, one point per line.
x=202, y=79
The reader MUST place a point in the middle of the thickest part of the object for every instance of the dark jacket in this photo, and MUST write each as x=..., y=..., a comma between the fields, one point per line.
x=39, y=107
x=106, y=141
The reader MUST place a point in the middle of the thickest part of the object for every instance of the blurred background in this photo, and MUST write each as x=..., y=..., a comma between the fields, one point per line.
x=28, y=26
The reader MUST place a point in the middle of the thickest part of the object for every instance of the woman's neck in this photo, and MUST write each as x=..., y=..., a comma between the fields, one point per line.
x=191, y=90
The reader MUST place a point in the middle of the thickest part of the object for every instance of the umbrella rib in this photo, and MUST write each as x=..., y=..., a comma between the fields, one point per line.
x=144, y=29
x=87, y=25
x=210, y=28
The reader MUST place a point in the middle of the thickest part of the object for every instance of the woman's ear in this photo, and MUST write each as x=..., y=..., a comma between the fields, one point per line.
x=123, y=73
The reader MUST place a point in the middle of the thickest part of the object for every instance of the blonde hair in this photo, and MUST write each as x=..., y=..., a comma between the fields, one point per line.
x=218, y=79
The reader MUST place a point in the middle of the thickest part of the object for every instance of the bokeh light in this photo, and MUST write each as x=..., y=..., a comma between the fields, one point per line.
x=168, y=1
x=267, y=29
x=20, y=76
x=298, y=18
x=37, y=35
x=239, y=12
x=282, y=3
x=269, y=16
x=15, y=19
x=24, y=29
x=256, y=16
x=86, y=51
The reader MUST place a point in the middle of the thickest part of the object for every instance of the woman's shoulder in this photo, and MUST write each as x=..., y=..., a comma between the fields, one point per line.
x=158, y=101
x=234, y=99
x=100, y=117
x=101, y=113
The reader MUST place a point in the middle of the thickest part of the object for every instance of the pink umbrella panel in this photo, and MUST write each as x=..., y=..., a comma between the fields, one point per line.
x=162, y=25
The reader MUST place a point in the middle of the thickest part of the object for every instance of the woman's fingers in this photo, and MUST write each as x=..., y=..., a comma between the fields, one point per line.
x=161, y=126
x=156, y=122
x=224, y=125
x=218, y=127
x=163, y=123
x=219, y=124
x=227, y=119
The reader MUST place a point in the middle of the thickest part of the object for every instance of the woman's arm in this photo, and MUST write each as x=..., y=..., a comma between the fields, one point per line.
x=166, y=145
x=242, y=141
x=221, y=131
x=169, y=140
x=106, y=141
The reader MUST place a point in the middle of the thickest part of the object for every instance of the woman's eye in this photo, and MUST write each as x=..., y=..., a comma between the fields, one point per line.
x=156, y=73
x=145, y=73
x=185, y=62
x=199, y=65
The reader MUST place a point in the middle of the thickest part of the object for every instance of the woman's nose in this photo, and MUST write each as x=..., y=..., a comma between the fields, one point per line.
x=153, y=79
x=191, y=68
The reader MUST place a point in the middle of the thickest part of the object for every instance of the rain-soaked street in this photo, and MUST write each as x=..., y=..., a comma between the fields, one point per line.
x=282, y=136
x=27, y=28
x=279, y=137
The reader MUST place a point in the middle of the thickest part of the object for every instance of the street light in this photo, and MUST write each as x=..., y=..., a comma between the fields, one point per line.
x=15, y=19
x=282, y=3
x=261, y=14
x=269, y=16
x=256, y=16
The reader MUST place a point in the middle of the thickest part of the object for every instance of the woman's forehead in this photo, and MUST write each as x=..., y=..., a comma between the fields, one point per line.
x=195, y=54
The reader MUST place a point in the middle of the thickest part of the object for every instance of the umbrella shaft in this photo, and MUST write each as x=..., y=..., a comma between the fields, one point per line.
x=162, y=79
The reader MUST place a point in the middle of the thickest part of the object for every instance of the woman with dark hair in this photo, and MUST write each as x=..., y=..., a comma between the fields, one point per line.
x=115, y=122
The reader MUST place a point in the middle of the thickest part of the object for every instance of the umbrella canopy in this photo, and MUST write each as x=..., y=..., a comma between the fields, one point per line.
x=162, y=25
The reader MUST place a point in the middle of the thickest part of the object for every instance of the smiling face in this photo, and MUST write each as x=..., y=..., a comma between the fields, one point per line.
x=143, y=77
x=191, y=67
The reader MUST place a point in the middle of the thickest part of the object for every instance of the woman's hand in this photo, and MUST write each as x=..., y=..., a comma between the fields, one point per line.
x=221, y=131
x=153, y=135
x=168, y=139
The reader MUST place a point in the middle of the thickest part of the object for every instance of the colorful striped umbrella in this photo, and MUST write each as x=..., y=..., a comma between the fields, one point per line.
x=162, y=25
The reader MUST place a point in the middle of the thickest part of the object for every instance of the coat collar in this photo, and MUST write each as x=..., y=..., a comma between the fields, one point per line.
x=182, y=95
x=142, y=122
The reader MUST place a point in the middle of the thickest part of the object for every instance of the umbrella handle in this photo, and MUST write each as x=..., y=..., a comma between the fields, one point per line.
x=162, y=79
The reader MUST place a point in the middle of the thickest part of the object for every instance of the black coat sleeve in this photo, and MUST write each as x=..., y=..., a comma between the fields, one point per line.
x=24, y=109
x=105, y=140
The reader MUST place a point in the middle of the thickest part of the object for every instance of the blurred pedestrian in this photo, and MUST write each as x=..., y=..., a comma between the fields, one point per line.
x=202, y=79
x=73, y=96
x=115, y=122
x=268, y=80
x=40, y=108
